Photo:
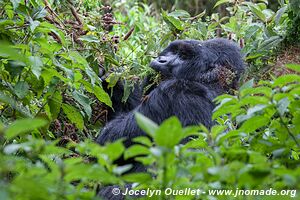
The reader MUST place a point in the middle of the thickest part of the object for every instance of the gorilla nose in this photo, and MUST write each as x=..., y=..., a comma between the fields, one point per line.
x=162, y=59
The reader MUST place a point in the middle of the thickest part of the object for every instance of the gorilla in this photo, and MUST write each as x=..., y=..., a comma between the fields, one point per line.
x=195, y=72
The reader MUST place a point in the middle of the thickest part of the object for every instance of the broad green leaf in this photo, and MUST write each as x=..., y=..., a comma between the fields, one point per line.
x=15, y=105
x=136, y=150
x=173, y=23
x=114, y=150
x=98, y=91
x=254, y=123
x=251, y=31
x=55, y=103
x=46, y=27
x=169, y=133
x=1, y=127
x=220, y=2
x=21, y=89
x=23, y=126
x=111, y=60
x=146, y=124
x=283, y=106
x=270, y=43
x=89, y=38
x=73, y=115
x=85, y=171
x=266, y=91
x=285, y=79
x=112, y=79
x=143, y=140
x=119, y=170
x=10, y=13
x=248, y=84
x=33, y=24
x=180, y=13
x=15, y=3
x=256, y=108
x=137, y=177
x=36, y=65
x=256, y=10
x=49, y=73
x=102, y=96
x=84, y=101
x=9, y=51
x=279, y=14
x=294, y=67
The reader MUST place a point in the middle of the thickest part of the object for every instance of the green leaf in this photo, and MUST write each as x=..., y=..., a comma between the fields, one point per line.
x=266, y=91
x=114, y=150
x=15, y=3
x=283, y=105
x=21, y=89
x=251, y=31
x=220, y=2
x=46, y=27
x=89, y=38
x=15, y=105
x=55, y=103
x=173, y=23
x=248, y=84
x=23, y=126
x=254, y=123
x=49, y=73
x=112, y=79
x=136, y=150
x=137, y=177
x=146, y=124
x=98, y=91
x=279, y=14
x=180, y=13
x=73, y=115
x=33, y=24
x=9, y=51
x=169, y=133
x=285, y=79
x=102, y=96
x=294, y=67
x=270, y=43
x=84, y=101
x=36, y=65
x=256, y=10
x=111, y=60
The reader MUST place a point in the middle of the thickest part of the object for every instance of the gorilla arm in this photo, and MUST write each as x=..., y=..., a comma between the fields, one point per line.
x=190, y=101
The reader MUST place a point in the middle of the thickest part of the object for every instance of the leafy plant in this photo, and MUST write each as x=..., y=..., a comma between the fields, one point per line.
x=52, y=103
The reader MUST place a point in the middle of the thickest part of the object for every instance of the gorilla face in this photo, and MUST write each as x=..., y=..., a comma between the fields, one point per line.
x=199, y=61
x=177, y=55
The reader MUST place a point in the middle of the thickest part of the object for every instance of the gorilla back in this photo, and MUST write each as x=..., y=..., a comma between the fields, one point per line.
x=194, y=74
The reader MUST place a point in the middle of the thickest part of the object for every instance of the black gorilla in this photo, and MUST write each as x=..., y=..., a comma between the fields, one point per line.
x=195, y=73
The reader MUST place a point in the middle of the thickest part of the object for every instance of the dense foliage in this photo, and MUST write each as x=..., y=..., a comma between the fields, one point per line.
x=52, y=103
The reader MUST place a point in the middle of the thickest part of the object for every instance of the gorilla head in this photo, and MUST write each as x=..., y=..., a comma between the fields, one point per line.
x=217, y=63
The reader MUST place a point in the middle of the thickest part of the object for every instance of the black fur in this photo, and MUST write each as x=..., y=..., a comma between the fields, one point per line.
x=195, y=73
x=193, y=69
